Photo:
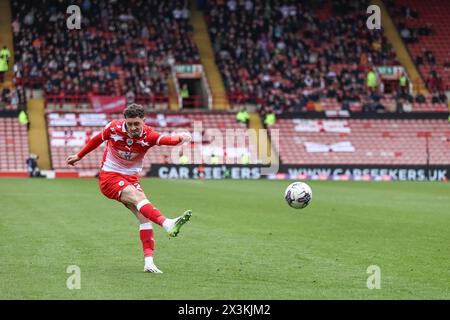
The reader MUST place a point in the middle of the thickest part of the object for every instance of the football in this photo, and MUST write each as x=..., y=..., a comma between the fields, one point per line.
x=298, y=195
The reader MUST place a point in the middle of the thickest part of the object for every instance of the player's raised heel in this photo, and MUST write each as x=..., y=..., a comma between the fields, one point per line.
x=180, y=222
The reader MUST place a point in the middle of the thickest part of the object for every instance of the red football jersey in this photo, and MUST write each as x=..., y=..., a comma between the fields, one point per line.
x=124, y=154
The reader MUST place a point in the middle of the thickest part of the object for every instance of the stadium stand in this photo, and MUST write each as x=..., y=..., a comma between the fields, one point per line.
x=424, y=27
x=291, y=56
x=291, y=53
x=122, y=48
x=363, y=141
x=9, y=99
x=13, y=145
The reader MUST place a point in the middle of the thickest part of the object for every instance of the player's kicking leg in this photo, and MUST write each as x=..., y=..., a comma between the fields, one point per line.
x=131, y=196
x=178, y=223
x=148, y=243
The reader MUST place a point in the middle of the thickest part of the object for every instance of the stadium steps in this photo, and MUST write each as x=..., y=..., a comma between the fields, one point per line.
x=6, y=37
x=173, y=96
x=37, y=136
x=255, y=123
x=206, y=52
x=435, y=13
x=391, y=33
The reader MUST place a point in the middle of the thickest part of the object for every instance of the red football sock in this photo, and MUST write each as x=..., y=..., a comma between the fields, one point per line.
x=150, y=212
x=146, y=235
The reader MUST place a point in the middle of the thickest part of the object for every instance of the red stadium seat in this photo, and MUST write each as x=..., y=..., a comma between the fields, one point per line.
x=403, y=143
x=435, y=13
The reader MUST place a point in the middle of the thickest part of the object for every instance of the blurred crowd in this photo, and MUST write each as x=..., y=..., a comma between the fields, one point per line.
x=286, y=56
x=413, y=31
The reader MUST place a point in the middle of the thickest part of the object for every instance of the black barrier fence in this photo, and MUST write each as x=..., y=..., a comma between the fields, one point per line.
x=9, y=113
x=205, y=172
x=304, y=172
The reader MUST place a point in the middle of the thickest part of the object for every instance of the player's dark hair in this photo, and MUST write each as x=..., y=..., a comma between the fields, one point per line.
x=134, y=111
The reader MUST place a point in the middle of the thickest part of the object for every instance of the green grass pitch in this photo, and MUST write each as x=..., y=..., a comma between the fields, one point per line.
x=243, y=241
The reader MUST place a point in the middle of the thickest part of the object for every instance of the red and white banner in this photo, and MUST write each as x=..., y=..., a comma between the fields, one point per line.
x=108, y=104
x=305, y=125
x=161, y=120
x=77, y=119
x=344, y=146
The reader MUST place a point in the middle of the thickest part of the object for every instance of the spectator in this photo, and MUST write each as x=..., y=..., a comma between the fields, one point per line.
x=15, y=100
x=32, y=166
x=344, y=99
x=435, y=98
x=419, y=61
x=407, y=106
x=403, y=83
x=269, y=118
x=425, y=30
x=214, y=160
x=420, y=98
x=5, y=96
x=201, y=172
x=184, y=159
x=16, y=27
x=243, y=116
x=379, y=107
x=429, y=56
x=443, y=97
x=4, y=62
x=282, y=58
x=166, y=159
x=184, y=93
x=29, y=18
x=310, y=105
x=372, y=80
x=130, y=96
x=368, y=105
x=245, y=160
x=405, y=33
x=23, y=119
x=399, y=105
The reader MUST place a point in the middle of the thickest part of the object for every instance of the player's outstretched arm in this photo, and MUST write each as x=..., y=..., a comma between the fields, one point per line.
x=92, y=144
x=72, y=159
x=175, y=140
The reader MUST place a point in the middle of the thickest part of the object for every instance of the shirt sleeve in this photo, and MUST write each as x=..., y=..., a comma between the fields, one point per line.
x=169, y=140
x=97, y=140
x=92, y=144
x=153, y=138
x=158, y=139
